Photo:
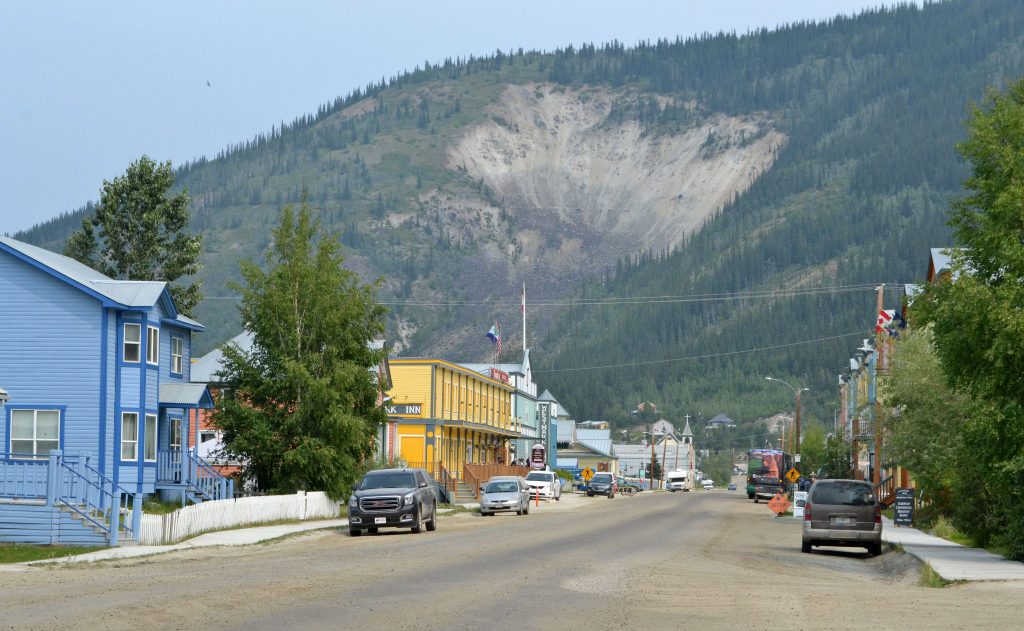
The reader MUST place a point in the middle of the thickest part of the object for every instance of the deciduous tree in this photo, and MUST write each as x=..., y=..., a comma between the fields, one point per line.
x=302, y=405
x=140, y=232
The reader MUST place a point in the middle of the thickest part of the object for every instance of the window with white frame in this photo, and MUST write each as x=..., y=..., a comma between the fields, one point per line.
x=132, y=342
x=34, y=433
x=177, y=354
x=152, y=345
x=150, y=447
x=206, y=436
x=129, y=435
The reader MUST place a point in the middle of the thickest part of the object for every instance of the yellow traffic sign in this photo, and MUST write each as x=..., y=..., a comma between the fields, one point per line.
x=586, y=474
x=793, y=475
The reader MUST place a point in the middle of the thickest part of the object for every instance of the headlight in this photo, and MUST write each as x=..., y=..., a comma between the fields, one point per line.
x=353, y=502
x=410, y=498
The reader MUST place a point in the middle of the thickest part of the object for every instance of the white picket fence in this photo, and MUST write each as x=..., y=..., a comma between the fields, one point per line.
x=223, y=514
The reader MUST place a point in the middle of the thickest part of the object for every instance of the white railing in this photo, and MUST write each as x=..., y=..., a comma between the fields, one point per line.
x=222, y=514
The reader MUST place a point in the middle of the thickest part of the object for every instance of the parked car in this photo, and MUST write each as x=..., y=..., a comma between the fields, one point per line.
x=732, y=486
x=504, y=493
x=708, y=484
x=393, y=498
x=842, y=513
x=544, y=483
x=602, y=484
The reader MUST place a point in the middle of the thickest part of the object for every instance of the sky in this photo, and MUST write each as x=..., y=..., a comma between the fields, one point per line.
x=89, y=86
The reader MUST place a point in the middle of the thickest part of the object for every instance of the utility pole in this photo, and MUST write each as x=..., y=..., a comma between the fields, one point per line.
x=876, y=473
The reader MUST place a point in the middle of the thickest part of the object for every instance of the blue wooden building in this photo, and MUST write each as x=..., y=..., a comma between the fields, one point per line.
x=96, y=374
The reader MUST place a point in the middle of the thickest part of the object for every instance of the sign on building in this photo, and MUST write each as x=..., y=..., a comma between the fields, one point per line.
x=405, y=409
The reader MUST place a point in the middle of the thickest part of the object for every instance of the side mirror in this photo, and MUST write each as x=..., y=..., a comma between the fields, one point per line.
x=481, y=489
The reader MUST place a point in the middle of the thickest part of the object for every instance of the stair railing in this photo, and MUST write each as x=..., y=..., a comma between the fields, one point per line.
x=204, y=479
x=885, y=489
x=76, y=484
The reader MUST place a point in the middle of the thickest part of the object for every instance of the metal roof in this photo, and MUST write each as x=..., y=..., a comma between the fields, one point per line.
x=122, y=293
x=193, y=395
x=205, y=368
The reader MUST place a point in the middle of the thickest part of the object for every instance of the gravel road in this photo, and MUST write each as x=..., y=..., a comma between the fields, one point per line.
x=702, y=560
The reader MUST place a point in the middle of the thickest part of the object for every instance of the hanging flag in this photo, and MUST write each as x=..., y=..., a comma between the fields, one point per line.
x=493, y=334
x=522, y=300
x=884, y=318
x=898, y=320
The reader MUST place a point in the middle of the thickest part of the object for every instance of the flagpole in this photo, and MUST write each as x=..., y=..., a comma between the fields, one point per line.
x=522, y=307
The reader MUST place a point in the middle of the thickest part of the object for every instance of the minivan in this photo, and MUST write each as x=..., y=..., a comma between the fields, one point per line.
x=842, y=513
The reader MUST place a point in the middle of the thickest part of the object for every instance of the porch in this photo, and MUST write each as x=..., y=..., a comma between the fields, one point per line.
x=181, y=473
x=64, y=499
x=463, y=485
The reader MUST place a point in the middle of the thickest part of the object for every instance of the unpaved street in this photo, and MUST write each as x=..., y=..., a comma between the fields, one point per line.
x=702, y=560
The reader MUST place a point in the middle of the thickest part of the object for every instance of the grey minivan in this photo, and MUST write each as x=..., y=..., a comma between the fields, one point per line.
x=843, y=513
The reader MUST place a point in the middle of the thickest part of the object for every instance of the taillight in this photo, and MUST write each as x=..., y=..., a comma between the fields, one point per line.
x=878, y=514
x=807, y=511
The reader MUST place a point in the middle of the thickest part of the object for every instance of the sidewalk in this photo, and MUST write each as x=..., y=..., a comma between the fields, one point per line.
x=952, y=561
x=237, y=537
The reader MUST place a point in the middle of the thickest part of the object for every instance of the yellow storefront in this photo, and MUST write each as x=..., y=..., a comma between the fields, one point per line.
x=443, y=415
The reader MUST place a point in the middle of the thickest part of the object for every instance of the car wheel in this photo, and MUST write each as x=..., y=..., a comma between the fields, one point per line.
x=418, y=528
x=875, y=549
x=805, y=546
x=526, y=510
x=757, y=500
x=484, y=513
x=590, y=495
x=372, y=531
x=354, y=532
x=558, y=498
x=432, y=522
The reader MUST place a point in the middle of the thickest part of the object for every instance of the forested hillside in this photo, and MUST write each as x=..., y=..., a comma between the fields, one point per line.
x=460, y=180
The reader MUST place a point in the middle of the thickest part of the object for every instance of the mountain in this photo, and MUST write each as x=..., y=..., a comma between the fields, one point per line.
x=778, y=163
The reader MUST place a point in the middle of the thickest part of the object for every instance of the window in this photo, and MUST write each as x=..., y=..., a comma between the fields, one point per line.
x=206, y=436
x=152, y=345
x=129, y=436
x=150, y=452
x=34, y=433
x=132, y=342
x=175, y=434
x=177, y=346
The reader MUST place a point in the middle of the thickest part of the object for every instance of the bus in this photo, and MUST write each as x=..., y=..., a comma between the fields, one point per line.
x=766, y=469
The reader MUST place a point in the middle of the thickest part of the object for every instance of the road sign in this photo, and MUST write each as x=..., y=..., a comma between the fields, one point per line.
x=586, y=474
x=793, y=475
x=799, y=501
x=778, y=504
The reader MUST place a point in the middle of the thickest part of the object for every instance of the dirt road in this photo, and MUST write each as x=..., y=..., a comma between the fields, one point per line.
x=703, y=560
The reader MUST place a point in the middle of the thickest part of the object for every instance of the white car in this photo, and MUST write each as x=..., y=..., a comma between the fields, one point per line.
x=708, y=484
x=545, y=484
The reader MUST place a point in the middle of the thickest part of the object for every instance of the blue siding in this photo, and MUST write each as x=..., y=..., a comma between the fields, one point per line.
x=40, y=524
x=51, y=350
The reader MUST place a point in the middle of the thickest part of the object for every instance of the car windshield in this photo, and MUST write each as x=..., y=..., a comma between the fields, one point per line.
x=604, y=479
x=843, y=494
x=503, y=486
x=397, y=480
x=538, y=476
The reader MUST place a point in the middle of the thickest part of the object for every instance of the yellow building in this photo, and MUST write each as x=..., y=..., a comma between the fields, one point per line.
x=442, y=414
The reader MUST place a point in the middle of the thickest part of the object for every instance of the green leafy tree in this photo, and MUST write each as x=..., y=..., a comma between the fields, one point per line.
x=979, y=326
x=835, y=457
x=812, y=449
x=139, y=231
x=302, y=406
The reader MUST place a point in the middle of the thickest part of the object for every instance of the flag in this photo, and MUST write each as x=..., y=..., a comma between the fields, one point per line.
x=884, y=318
x=522, y=300
x=898, y=320
x=494, y=335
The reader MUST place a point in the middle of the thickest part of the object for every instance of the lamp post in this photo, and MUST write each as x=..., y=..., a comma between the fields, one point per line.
x=797, y=392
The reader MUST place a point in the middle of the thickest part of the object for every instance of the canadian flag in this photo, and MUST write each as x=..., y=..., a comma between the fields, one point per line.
x=884, y=318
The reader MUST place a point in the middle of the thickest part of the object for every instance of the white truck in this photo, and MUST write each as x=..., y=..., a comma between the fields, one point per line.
x=677, y=481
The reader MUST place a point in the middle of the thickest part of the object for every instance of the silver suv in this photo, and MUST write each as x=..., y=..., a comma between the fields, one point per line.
x=842, y=513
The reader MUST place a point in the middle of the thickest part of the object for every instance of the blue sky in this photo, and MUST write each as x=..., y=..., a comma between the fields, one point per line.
x=89, y=86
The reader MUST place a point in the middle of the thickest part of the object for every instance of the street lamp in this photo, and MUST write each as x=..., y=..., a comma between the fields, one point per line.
x=797, y=392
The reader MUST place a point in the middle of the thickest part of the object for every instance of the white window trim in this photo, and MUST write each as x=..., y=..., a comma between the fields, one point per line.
x=133, y=440
x=177, y=359
x=174, y=431
x=152, y=345
x=125, y=343
x=35, y=434
x=151, y=437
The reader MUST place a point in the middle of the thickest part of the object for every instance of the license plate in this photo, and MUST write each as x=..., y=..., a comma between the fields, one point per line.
x=380, y=520
x=842, y=521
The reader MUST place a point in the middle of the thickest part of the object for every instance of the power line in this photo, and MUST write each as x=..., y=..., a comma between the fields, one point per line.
x=708, y=356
